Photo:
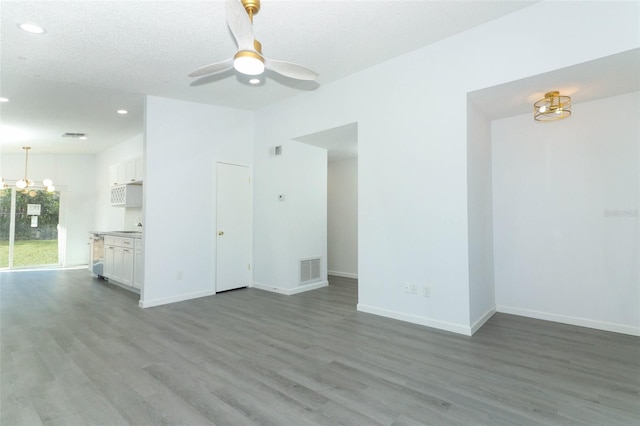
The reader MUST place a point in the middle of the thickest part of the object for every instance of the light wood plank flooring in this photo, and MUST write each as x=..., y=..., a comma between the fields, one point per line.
x=78, y=351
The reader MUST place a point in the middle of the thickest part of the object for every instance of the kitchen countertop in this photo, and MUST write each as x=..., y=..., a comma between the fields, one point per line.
x=130, y=234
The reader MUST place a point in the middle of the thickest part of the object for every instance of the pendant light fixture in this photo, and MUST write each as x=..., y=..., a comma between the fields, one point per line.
x=552, y=108
x=25, y=183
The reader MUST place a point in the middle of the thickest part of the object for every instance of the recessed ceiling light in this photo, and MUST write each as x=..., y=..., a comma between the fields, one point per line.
x=4, y=99
x=82, y=137
x=122, y=111
x=31, y=28
x=254, y=81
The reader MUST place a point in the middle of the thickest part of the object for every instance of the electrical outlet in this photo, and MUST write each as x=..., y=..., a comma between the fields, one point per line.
x=426, y=291
x=410, y=288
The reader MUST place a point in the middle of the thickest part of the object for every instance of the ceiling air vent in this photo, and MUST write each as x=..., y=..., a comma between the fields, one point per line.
x=309, y=270
x=74, y=135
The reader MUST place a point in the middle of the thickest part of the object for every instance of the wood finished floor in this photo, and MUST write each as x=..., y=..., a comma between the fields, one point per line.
x=78, y=351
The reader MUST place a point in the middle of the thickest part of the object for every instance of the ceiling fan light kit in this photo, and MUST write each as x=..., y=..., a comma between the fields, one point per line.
x=249, y=63
x=248, y=59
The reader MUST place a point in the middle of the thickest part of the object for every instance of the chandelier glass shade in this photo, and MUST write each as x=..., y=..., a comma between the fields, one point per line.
x=25, y=184
x=552, y=108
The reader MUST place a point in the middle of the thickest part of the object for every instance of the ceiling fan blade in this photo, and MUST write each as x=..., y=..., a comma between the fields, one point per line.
x=213, y=68
x=240, y=24
x=290, y=70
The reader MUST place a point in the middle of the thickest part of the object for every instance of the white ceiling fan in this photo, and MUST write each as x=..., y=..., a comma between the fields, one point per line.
x=249, y=59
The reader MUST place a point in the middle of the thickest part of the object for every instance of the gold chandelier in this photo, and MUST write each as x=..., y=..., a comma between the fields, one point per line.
x=552, y=108
x=26, y=184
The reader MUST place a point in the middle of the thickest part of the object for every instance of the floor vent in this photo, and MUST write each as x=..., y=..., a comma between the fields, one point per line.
x=309, y=270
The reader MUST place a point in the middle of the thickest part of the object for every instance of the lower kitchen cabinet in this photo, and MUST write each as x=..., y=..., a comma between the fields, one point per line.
x=120, y=260
x=109, y=260
x=138, y=265
x=127, y=266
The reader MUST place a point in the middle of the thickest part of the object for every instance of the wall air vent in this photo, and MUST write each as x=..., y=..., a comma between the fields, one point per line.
x=74, y=135
x=309, y=270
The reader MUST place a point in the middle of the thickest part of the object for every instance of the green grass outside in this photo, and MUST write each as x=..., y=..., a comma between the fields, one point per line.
x=29, y=253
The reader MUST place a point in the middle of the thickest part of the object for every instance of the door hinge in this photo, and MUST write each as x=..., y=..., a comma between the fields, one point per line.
x=249, y=267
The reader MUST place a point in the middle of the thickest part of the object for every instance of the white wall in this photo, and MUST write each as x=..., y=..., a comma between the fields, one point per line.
x=183, y=141
x=293, y=229
x=109, y=218
x=74, y=177
x=561, y=253
x=480, y=217
x=342, y=218
x=412, y=146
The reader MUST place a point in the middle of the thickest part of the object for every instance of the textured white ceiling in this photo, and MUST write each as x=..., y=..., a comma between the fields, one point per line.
x=98, y=54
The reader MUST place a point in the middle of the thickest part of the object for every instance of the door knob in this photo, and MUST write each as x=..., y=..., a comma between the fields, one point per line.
x=220, y=233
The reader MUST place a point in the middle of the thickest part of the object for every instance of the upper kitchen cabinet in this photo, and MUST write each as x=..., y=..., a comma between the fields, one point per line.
x=131, y=171
x=135, y=170
x=117, y=174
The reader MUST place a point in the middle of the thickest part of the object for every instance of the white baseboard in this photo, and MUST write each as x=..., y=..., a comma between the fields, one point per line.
x=441, y=325
x=565, y=319
x=44, y=268
x=484, y=318
x=290, y=291
x=124, y=286
x=343, y=274
x=174, y=299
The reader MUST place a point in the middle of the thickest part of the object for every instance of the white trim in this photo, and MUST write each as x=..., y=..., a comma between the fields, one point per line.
x=565, y=319
x=173, y=299
x=441, y=325
x=290, y=291
x=54, y=267
x=484, y=318
x=343, y=274
x=124, y=286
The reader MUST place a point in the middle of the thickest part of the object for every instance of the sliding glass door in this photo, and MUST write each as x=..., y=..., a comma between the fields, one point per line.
x=29, y=228
x=5, y=226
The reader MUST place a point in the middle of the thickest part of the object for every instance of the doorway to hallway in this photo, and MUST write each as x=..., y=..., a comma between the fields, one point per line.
x=341, y=144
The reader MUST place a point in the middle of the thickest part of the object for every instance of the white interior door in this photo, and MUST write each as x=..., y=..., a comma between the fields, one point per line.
x=233, y=211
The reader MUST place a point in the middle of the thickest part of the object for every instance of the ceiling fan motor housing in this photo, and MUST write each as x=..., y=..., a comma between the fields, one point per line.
x=251, y=6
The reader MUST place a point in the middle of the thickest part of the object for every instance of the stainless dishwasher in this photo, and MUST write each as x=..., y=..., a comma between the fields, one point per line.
x=97, y=254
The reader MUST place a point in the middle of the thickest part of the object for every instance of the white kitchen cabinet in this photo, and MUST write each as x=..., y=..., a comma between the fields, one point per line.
x=118, y=174
x=117, y=271
x=113, y=175
x=139, y=169
x=119, y=259
x=135, y=170
x=138, y=264
x=127, y=266
x=131, y=171
x=109, y=260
